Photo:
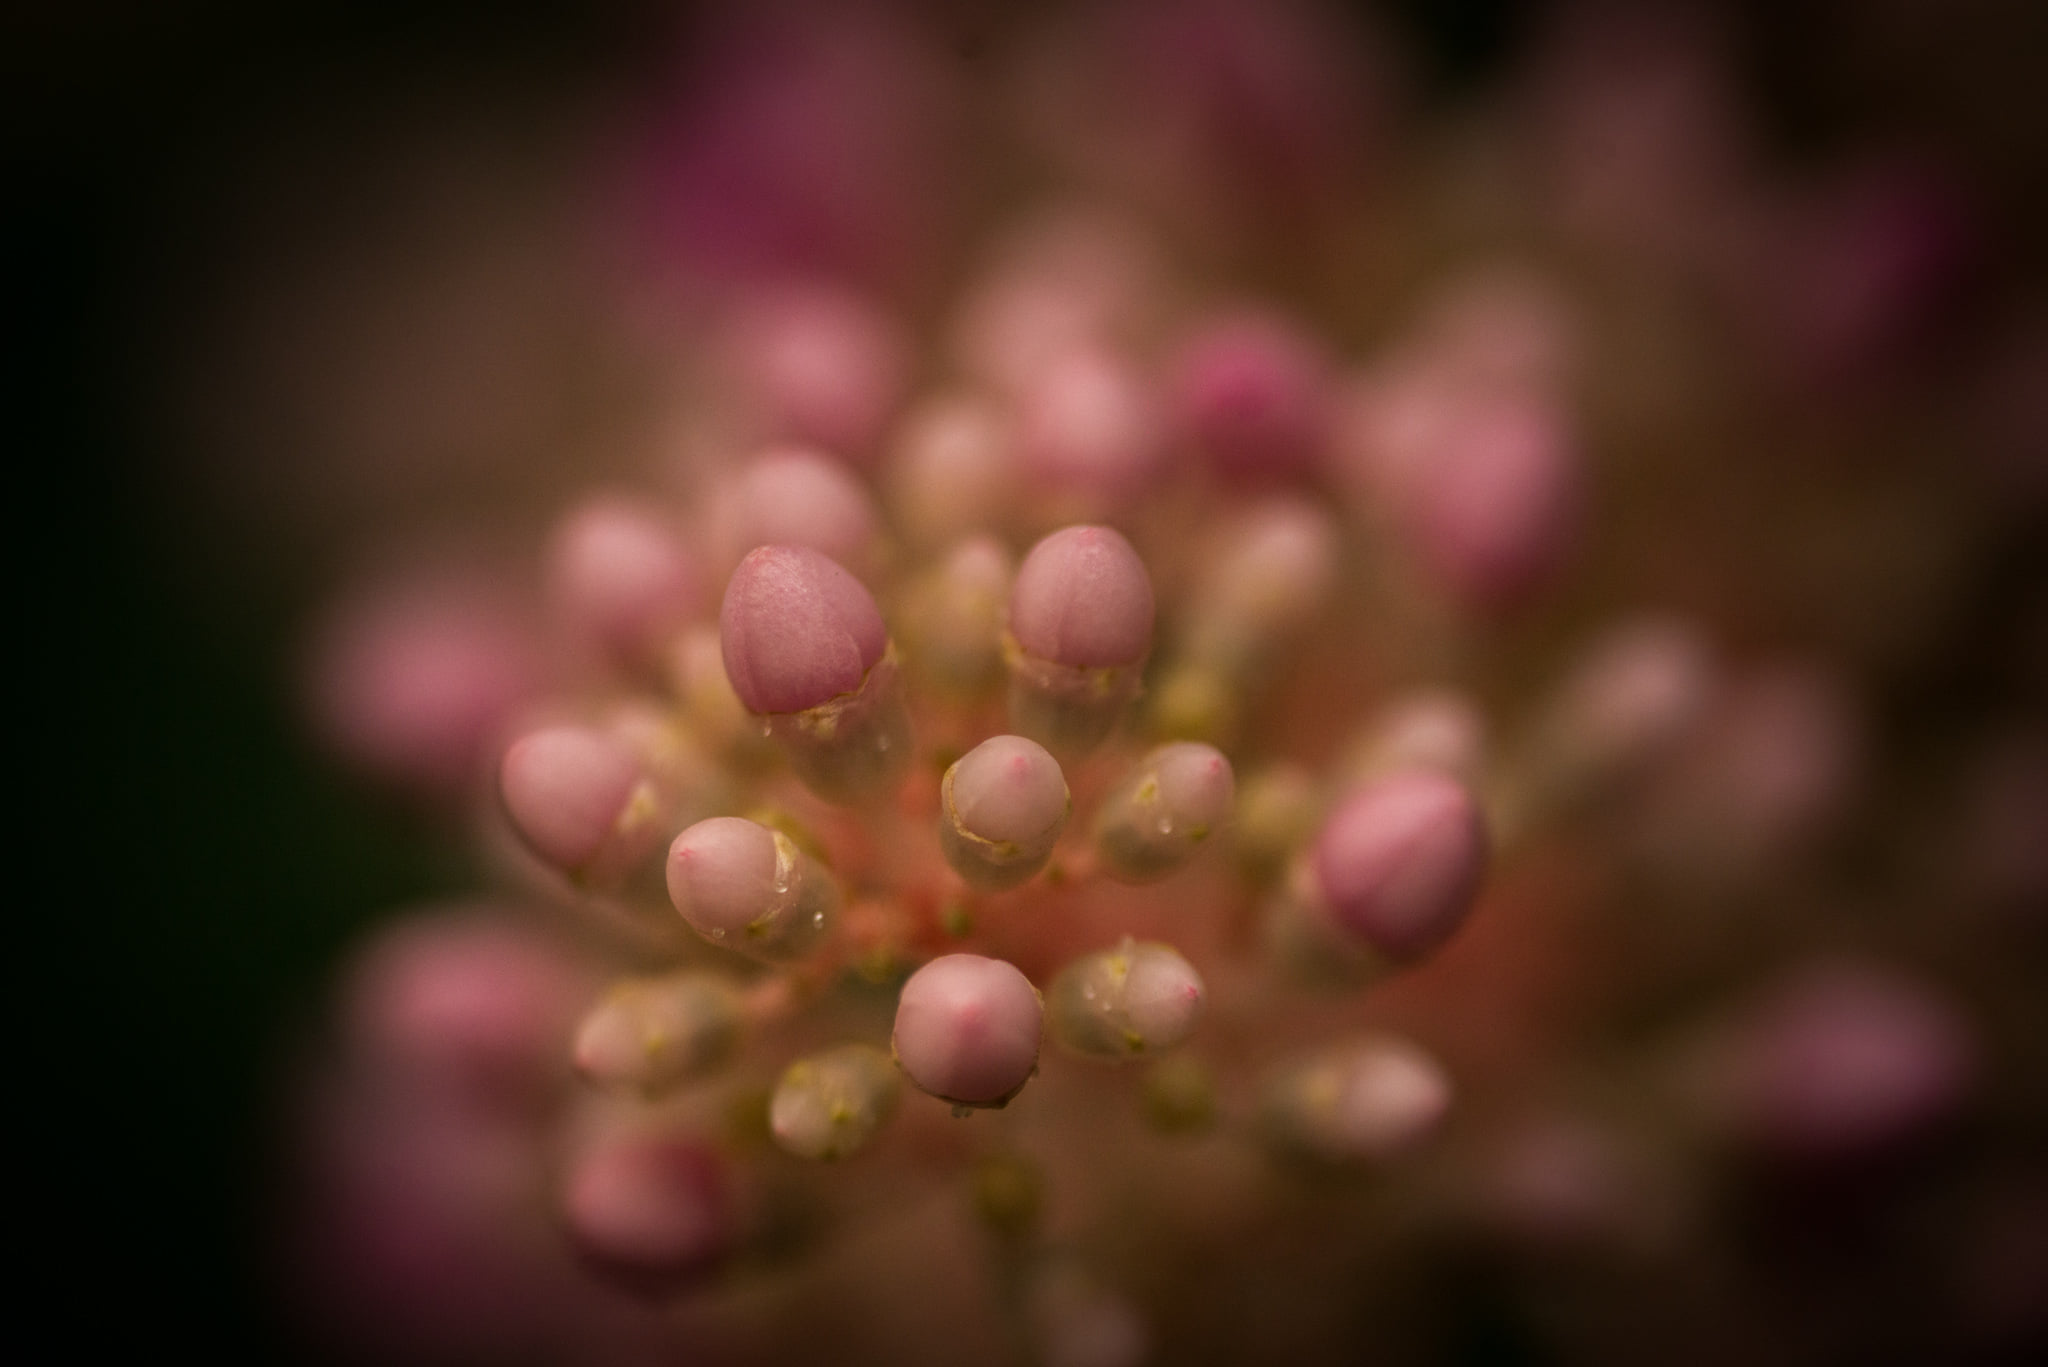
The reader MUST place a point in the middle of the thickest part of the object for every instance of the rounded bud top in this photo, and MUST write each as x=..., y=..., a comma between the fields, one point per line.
x=1251, y=392
x=410, y=682
x=1164, y=810
x=1631, y=698
x=565, y=789
x=649, y=1209
x=465, y=1003
x=830, y=1105
x=1430, y=729
x=1495, y=512
x=1399, y=862
x=1004, y=804
x=797, y=630
x=652, y=1033
x=1126, y=1003
x=1083, y=599
x=721, y=874
x=1272, y=572
x=751, y=889
x=797, y=496
x=952, y=468
x=1088, y=426
x=619, y=575
x=1008, y=790
x=1369, y=1100
x=823, y=364
x=1845, y=1057
x=967, y=1029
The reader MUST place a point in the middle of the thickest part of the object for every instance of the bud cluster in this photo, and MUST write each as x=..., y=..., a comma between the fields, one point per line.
x=1142, y=766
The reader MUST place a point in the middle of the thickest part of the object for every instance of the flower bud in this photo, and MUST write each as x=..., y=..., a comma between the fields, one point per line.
x=1431, y=729
x=1631, y=698
x=797, y=496
x=411, y=682
x=1842, y=1060
x=1071, y=277
x=953, y=470
x=1368, y=1101
x=1126, y=1003
x=466, y=1006
x=953, y=625
x=580, y=800
x=1250, y=395
x=1089, y=432
x=1080, y=627
x=820, y=364
x=750, y=889
x=620, y=578
x=967, y=1030
x=1773, y=766
x=654, y=1033
x=1163, y=811
x=1002, y=807
x=1398, y=864
x=831, y=1104
x=804, y=644
x=1494, y=511
x=654, y=1212
x=1268, y=580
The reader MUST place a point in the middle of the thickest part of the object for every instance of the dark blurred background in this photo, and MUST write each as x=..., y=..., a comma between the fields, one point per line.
x=196, y=868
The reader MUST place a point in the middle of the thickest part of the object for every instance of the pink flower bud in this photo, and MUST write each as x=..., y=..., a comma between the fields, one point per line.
x=796, y=496
x=1842, y=1060
x=1494, y=511
x=967, y=1029
x=620, y=577
x=570, y=791
x=655, y=1212
x=1164, y=810
x=1371, y=1100
x=1398, y=864
x=820, y=364
x=1250, y=394
x=1126, y=1003
x=1002, y=807
x=1083, y=599
x=412, y=682
x=473, y=1005
x=750, y=889
x=796, y=630
x=653, y=1033
x=1089, y=429
x=1073, y=277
